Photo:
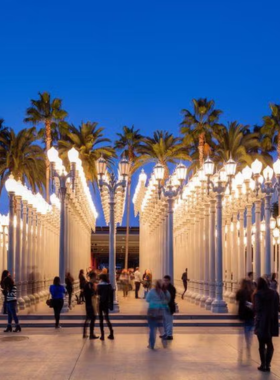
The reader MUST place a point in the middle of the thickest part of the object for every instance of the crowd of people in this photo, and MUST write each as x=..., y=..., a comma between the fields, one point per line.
x=258, y=305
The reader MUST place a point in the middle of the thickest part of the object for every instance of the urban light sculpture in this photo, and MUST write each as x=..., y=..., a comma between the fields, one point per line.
x=170, y=191
x=11, y=185
x=112, y=184
x=224, y=180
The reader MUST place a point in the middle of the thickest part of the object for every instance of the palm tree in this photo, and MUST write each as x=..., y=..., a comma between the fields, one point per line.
x=128, y=144
x=164, y=148
x=88, y=140
x=197, y=126
x=20, y=156
x=271, y=129
x=48, y=112
x=238, y=142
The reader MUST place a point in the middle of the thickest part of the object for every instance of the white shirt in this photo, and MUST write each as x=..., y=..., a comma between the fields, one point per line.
x=137, y=276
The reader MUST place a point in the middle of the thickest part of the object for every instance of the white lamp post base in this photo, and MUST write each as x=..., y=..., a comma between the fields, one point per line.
x=219, y=306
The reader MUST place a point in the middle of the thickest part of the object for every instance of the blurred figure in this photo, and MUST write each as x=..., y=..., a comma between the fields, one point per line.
x=104, y=271
x=266, y=303
x=5, y=274
x=273, y=283
x=185, y=282
x=10, y=293
x=90, y=299
x=137, y=281
x=57, y=292
x=158, y=301
x=106, y=299
x=124, y=280
x=69, y=281
x=83, y=282
x=147, y=282
x=170, y=309
x=246, y=314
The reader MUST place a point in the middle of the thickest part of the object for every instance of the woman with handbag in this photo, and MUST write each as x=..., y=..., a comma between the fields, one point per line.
x=10, y=292
x=57, y=292
x=158, y=302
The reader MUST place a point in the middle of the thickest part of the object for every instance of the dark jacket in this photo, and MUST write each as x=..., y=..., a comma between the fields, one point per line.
x=245, y=313
x=171, y=304
x=105, y=292
x=266, y=304
x=89, y=292
x=82, y=280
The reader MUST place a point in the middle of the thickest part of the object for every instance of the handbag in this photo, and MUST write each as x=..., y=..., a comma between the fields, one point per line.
x=155, y=313
x=49, y=302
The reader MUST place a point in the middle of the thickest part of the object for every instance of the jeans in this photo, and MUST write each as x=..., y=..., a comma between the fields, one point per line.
x=12, y=313
x=137, y=288
x=168, y=323
x=104, y=312
x=266, y=350
x=248, y=332
x=90, y=316
x=154, y=324
x=57, y=307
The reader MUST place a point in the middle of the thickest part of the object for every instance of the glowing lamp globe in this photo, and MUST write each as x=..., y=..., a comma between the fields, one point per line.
x=124, y=167
x=73, y=155
x=278, y=221
x=143, y=176
x=181, y=172
x=201, y=175
x=276, y=167
x=268, y=173
x=230, y=167
x=208, y=167
x=101, y=166
x=239, y=179
x=263, y=226
x=276, y=233
x=257, y=167
x=272, y=223
x=11, y=184
x=159, y=172
x=52, y=155
x=247, y=173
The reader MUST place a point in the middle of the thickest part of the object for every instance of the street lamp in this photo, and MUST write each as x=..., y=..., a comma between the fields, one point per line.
x=219, y=305
x=172, y=189
x=58, y=171
x=112, y=184
x=11, y=185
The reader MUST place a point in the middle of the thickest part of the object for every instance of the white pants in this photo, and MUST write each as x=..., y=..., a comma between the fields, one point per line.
x=168, y=323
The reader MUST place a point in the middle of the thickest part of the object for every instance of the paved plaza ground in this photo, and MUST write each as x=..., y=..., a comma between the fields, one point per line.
x=195, y=353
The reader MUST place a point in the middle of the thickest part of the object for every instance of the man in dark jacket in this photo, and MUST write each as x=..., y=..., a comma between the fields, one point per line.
x=168, y=315
x=89, y=294
x=105, y=293
x=266, y=303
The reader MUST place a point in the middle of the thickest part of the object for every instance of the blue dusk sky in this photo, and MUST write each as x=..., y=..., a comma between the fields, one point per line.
x=139, y=62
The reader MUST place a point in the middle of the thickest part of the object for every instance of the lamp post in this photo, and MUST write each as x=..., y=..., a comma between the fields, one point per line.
x=58, y=171
x=224, y=180
x=11, y=185
x=112, y=184
x=171, y=191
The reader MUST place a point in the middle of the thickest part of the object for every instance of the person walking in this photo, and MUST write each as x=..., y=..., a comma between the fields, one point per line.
x=244, y=297
x=57, y=292
x=147, y=282
x=170, y=308
x=265, y=303
x=185, y=282
x=83, y=282
x=5, y=274
x=69, y=281
x=137, y=282
x=10, y=293
x=90, y=300
x=273, y=283
x=124, y=280
x=157, y=300
x=105, y=293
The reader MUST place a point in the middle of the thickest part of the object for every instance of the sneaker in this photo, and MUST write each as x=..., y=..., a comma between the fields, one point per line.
x=169, y=338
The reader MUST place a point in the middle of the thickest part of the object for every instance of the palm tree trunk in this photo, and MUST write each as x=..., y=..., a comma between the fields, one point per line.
x=48, y=146
x=201, y=148
x=127, y=221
